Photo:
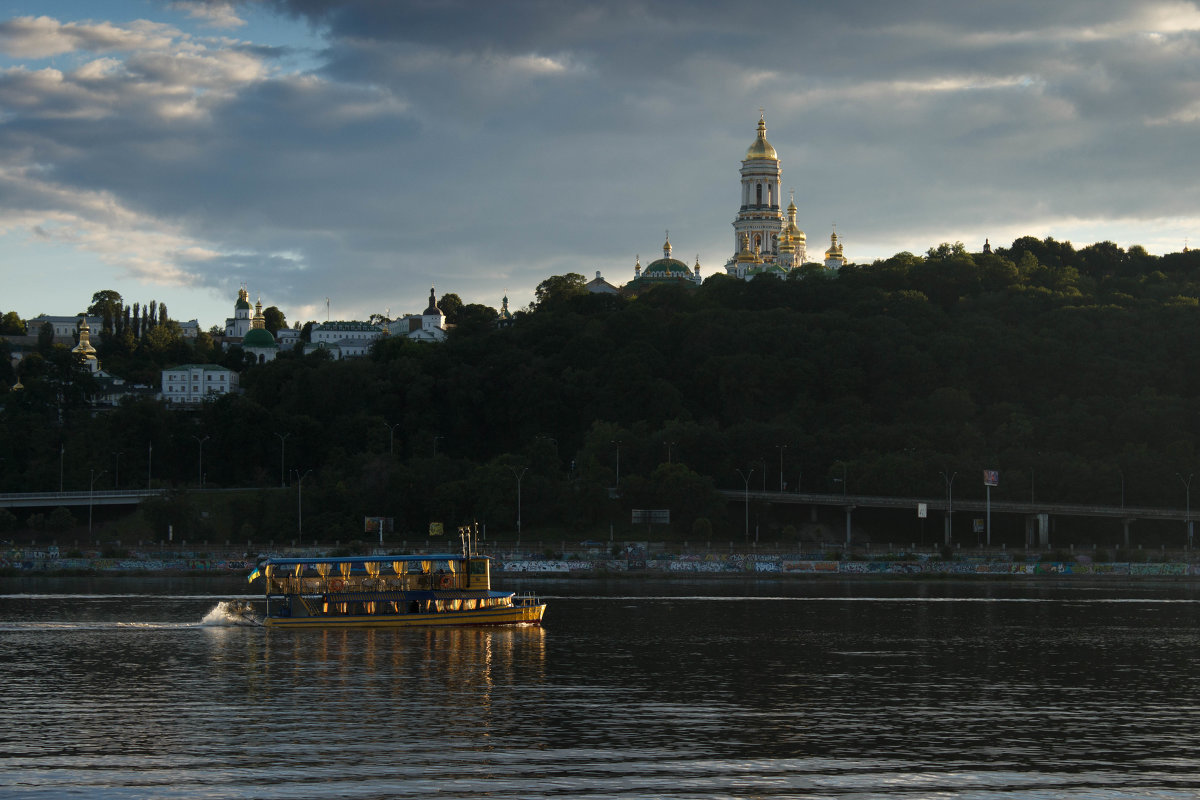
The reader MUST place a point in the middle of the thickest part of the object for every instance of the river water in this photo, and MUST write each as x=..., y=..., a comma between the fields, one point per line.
x=144, y=688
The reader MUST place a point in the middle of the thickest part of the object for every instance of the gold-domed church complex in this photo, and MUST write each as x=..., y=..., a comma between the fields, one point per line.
x=763, y=239
x=766, y=239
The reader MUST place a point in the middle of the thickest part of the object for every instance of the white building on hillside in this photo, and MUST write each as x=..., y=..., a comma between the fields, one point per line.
x=65, y=328
x=195, y=383
x=428, y=326
x=343, y=339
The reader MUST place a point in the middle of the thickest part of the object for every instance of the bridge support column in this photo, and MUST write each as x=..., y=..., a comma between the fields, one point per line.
x=1043, y=524
x=849, y=509
x=1037, y=528
x=1125, y=523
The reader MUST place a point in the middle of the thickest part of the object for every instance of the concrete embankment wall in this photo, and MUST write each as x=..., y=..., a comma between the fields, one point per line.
x=33, y=562
x=733, y=566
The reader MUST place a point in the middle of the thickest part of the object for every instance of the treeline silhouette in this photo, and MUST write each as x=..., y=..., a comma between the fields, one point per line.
x=1074, y=372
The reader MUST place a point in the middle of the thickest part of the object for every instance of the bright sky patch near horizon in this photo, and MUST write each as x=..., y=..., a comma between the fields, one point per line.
x=363, y=151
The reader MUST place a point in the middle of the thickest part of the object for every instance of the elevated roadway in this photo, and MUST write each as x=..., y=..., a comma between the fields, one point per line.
x=939, y=504
x=109, y=497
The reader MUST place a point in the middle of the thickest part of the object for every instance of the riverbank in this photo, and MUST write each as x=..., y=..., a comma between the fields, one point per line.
x=51, y=562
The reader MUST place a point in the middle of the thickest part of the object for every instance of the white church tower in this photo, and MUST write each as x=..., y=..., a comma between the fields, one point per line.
x=759, y=216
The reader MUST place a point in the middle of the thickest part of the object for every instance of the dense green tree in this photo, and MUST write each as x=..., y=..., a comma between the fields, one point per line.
x=45, y=338
x=450, y=304
x=273, y=319
x=558, y=289
x=11, y=325
x=106, y=304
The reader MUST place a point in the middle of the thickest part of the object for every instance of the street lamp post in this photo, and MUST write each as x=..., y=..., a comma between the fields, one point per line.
x=62, y=449
x=618, y=444
x=300, y=505
x=149, y=464
x=283, y=437
x=669, y=446
x=117, y=471
x=392, y=437
x=949, y=505
x=842, y=480
x=781, y=448
x=519, y=476
x=91, y=493
x=1187, y=518
x=201, y=442
x=746, y=480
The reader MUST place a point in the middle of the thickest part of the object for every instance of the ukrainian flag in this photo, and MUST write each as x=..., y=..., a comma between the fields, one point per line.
x=253, y=575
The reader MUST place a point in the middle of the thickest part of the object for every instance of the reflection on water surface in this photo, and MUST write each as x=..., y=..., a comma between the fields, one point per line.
x=632, y=689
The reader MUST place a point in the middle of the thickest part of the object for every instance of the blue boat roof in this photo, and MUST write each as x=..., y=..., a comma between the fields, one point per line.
x=365, y=559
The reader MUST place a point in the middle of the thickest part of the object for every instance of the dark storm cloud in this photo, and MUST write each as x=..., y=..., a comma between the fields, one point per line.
x=484, y=146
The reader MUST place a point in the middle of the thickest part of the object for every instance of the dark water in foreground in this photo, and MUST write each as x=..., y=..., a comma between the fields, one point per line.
x=776, y=689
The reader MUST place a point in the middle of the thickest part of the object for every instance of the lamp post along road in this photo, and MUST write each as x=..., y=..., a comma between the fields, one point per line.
x=91, y=492
x=1187, y=516
x=746, y=480
x=201, y=443
x=949, y=479
x=519, y=476
x=300, y=505
x=618, y=444
x=282, y=450
x=781, y=448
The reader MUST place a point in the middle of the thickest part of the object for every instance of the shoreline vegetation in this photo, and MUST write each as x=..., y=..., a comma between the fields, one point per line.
x=1069, y=374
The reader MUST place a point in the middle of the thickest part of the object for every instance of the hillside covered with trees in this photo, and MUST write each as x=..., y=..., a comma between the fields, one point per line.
x=1074, y=372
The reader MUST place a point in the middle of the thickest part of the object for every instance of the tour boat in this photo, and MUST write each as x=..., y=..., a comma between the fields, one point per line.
x=389, y=591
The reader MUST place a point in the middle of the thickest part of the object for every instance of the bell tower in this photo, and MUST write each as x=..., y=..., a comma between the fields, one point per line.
x=759, y=216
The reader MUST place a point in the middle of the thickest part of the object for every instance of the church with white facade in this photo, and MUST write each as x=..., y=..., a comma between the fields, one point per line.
x=763, y=239
x=766, y=237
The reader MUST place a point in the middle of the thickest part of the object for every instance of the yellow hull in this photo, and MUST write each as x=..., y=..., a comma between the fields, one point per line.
x=516, y=615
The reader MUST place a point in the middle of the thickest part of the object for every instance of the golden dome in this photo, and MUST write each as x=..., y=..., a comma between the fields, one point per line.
x=761, y=149
x=835, y=247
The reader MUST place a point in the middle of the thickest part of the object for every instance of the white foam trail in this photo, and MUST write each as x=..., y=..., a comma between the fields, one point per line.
x=231, y=613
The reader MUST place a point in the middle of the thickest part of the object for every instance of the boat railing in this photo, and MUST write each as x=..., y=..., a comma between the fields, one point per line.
x=526, y=600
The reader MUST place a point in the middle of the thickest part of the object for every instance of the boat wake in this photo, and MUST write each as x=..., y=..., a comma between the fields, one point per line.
x=232, y=613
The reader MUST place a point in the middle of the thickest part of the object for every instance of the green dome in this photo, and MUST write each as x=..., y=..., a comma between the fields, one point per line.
x=259, y=337
x=667, y=267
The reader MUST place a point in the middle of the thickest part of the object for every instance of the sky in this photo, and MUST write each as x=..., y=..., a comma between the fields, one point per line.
x=362, y=151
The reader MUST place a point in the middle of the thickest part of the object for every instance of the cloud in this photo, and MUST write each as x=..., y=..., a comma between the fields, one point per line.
x=42, y=37
x=485, y=146
x=216, y=13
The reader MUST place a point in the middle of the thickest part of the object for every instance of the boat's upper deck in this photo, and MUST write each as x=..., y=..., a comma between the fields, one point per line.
x=407, y=573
